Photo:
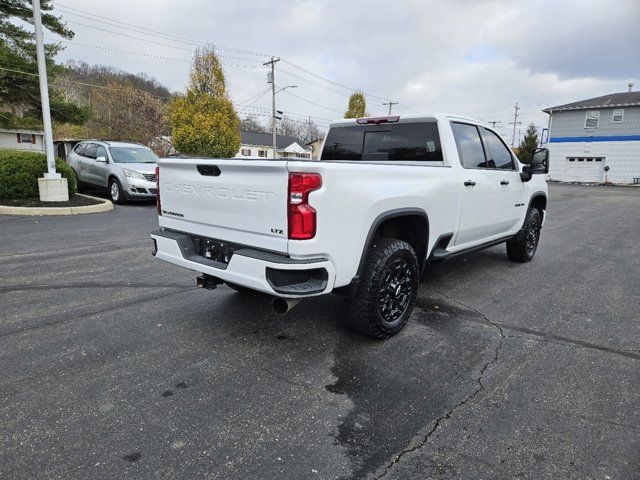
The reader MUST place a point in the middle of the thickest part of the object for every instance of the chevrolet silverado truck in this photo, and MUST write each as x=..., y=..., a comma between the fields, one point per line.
x=387, y=196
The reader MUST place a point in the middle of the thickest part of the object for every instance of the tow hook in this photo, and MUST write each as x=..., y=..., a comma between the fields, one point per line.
x=208, y=281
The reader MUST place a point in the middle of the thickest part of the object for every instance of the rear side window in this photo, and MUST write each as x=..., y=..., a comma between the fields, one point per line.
x=90, y=150
x=499, y=153
x=387, y=142
x=469, y=145
x=79, y=148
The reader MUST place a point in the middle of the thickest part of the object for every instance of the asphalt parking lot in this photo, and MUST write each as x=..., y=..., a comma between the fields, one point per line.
x=115, y=366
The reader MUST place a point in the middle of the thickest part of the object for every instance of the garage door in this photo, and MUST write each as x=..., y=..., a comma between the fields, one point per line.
x=584, y=169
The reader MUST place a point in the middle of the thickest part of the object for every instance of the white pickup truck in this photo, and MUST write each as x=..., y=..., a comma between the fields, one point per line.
x=387, y=196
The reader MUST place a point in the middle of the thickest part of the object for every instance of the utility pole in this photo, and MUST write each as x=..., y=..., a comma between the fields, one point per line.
x=494, y=123
x=52, y=187
x=391, y=104
x=515, y=122
x=271, y=78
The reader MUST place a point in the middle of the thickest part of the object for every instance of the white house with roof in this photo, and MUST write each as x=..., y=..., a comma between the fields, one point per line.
x=256, y=144
x=22, y=139
x=596, y=140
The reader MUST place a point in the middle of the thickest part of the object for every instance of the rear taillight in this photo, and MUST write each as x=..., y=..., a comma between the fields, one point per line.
x=158, y=207
x=302, y=216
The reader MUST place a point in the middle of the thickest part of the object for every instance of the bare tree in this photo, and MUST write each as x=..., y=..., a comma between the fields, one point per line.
x=250, y=123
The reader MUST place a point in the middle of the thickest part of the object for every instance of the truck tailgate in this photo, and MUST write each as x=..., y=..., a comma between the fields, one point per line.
x=240, y=201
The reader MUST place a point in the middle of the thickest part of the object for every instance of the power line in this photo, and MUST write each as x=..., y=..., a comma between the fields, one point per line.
x=149, y=55
x=331, y=81
x=267, y=110
x=157, y=32
x=183, y=40
x=259, y=94
x=147, y=41
x=316, y=84
x=258, y=97
x=313, y=103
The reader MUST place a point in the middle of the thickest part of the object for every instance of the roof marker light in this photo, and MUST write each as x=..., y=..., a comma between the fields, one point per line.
x=378, y=120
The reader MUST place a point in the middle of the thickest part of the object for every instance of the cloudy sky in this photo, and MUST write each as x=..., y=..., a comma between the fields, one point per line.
x=474, y=57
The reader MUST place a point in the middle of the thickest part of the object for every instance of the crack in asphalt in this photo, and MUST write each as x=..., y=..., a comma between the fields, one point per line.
x=567, y=342
x=466, y=400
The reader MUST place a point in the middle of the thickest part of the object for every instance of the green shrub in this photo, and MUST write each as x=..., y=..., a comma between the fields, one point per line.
x=19, y=173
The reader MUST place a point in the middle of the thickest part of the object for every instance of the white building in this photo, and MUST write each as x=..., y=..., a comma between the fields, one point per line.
x=260, y=145
x=22, y=139
x=596, y=140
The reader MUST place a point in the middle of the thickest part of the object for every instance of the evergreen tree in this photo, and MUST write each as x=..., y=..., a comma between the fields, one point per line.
x=528, y=145
x=204, y=122
x=19, y=85
x=357, y=107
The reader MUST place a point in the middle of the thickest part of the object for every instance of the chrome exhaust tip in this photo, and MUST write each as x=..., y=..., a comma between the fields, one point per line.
x=282, y=305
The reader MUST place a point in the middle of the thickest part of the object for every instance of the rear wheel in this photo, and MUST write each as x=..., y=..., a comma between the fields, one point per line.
x=387, y=290
x=523, y=246
x=79, y=184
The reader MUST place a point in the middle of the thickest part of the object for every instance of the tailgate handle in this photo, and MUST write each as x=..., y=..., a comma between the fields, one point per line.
x=209, y=170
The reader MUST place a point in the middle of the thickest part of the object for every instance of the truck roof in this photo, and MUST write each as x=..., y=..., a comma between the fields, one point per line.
x=413, y=117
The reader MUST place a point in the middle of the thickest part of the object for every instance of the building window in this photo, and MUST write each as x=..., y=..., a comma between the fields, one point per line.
x=245, y=152
x=26, y=138
x=592, y=119
x=585, y=159
x=262, y=153
x=618, y=115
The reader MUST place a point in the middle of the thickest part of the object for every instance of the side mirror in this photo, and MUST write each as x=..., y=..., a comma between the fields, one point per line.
x=540, y=161
x=101, y=159
x=526, y=173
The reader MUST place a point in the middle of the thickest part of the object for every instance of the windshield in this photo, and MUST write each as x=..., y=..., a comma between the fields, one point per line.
x=132, y=155
x=417, y=141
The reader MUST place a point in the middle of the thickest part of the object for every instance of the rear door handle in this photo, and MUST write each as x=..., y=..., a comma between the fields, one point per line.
x=504, y=182
x=469, y=183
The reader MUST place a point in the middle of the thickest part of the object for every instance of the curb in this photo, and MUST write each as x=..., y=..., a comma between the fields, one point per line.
x=594, y=184
x=104, y=206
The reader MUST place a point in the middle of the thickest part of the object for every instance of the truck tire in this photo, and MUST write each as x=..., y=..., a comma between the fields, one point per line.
x=387, y=290
x=523, y=246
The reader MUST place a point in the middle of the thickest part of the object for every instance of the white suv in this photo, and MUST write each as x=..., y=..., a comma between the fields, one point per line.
x=126, y=170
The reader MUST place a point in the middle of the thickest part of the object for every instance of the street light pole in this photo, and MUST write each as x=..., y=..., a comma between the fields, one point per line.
x=44, y=93
x=52, y=188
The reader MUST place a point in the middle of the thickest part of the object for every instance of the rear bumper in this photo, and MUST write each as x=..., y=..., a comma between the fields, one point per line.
x=265, y=271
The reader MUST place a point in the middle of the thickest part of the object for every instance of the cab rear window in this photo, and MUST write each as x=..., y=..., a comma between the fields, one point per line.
x=386, y=142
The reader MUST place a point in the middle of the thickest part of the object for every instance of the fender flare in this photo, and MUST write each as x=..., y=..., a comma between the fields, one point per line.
x=398, y=212
x=534, y=195
x=537, y=194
